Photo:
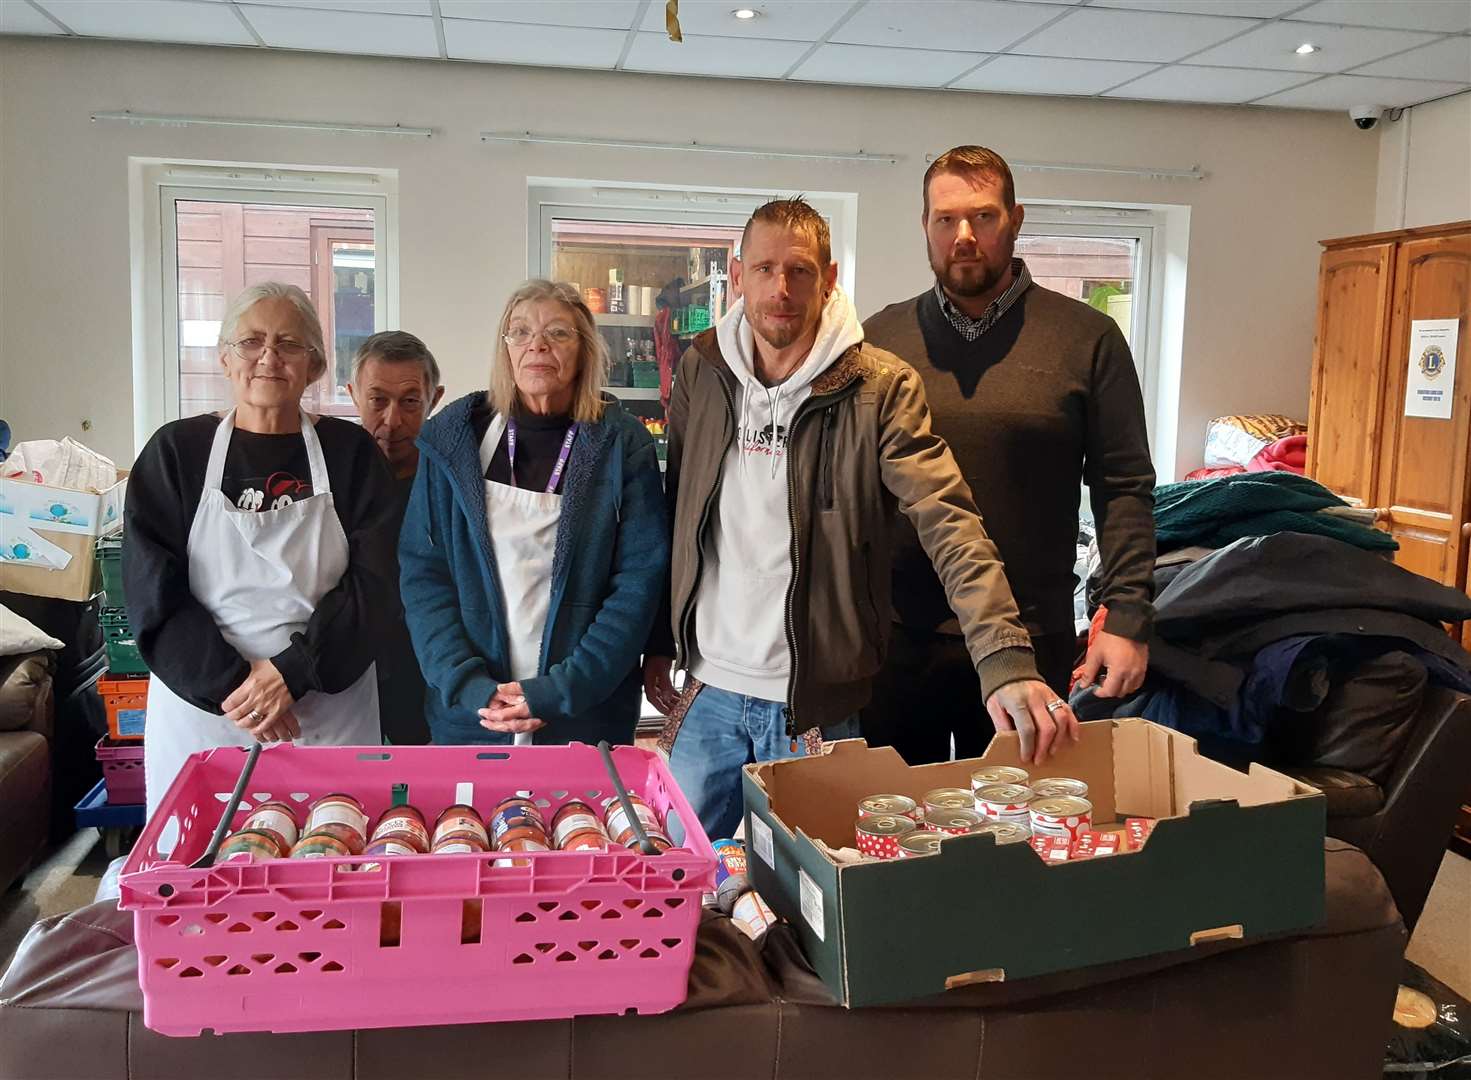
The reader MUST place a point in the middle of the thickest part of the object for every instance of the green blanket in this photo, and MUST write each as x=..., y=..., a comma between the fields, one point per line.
x=1216, y=512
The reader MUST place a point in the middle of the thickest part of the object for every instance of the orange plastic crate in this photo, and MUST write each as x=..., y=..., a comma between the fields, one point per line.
x=126, y=700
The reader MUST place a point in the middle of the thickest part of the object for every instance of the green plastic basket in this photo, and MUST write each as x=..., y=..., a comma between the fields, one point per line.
x=646, y=374
x=123, y=657
x=110, y=563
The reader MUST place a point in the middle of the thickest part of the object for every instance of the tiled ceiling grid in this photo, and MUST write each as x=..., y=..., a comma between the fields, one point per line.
x=1368, y=52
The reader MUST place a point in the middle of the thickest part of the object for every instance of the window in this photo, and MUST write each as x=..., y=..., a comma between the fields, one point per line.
x=215, y=231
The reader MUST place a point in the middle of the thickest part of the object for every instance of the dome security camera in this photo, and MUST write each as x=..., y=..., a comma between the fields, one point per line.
x=1365, y=116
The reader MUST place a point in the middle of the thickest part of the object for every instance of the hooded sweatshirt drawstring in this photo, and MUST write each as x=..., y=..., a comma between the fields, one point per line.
x=740, y=608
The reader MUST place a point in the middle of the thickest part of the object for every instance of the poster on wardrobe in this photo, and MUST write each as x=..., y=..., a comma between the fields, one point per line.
x=1430, y=389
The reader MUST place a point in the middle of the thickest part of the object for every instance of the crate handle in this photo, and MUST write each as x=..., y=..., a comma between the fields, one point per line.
x=234, y=804
x=492, y=755
x=644, y=843
x=375, y=755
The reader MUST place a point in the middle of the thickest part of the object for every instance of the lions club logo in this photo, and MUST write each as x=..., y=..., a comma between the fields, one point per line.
x=1432, y=362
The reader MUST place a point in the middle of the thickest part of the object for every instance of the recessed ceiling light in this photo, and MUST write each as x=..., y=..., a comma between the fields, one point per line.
x=745, y=13
x=1307, y=48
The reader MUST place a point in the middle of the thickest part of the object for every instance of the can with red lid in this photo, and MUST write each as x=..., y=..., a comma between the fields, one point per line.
x=877, y=805
x=955, y=822
x=920, y=843
x=403, y=821
x=620, y=828
x=460, y=818
x=879, y=836
x=257, y=845
x=1062, y=815
x=339, y=808
x=277, y=818
x=577, y=819
x=948, y=799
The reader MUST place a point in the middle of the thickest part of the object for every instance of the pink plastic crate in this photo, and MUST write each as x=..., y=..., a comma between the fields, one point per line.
x=306, y=945
x=122, y=770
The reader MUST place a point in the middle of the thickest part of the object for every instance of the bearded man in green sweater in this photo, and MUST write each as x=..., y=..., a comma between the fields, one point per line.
x=1036, y=394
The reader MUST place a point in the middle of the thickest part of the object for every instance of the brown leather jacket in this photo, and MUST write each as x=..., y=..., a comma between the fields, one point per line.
x=859, y=446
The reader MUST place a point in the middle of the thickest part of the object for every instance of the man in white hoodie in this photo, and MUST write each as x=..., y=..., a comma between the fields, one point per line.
x=791, y=444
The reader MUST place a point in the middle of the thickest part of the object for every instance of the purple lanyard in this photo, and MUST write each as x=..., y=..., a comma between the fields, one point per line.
x=562, y=456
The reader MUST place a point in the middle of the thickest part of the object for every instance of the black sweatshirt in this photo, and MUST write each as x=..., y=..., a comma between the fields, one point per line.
x=178, y=638
x=1043, y=401
x=538, y=442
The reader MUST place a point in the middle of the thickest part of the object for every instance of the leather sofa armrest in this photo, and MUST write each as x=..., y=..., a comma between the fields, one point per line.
x=26, y=693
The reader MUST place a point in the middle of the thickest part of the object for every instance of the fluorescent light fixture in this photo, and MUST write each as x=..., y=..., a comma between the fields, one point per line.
x=697, y=147
x=1192, y=173
x=745, y=13
x=141, y=119
x=1307, y=48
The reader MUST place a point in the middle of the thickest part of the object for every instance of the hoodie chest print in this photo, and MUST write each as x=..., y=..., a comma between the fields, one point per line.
x=770, y=440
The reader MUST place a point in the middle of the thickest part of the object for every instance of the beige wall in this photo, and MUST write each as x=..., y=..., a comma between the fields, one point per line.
x=1278, y=182
x=1425, y=165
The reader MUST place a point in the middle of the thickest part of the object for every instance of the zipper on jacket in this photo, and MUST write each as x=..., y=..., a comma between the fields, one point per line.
x=681, y=644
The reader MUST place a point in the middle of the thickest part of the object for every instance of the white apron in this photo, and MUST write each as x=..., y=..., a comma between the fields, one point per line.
x=260, y=575
x=523, y=536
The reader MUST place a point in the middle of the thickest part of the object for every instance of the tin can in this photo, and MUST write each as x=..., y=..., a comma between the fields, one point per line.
x=1137, y=829
x=751, y=915
x=339, y=808
x=620, y=829
x=878, y=805
x=879, y=836
x=320, y=845
x=955, y=822
x=521, y=843
x=1063, y=815
x=730, y=873
x=585, y=840
x=459, y=818
x=511, y=814
x=277, y=818
x=406, y=820
x=350, y=837
x=257, y=844
x=1005, y=802
x=948, y=798
x=1053, y=786
x=998, y=774
x=1005, y=832
x=573, y=819
x=465, y=841
x=920, y=843
x=393, y=844
x=1052, y=849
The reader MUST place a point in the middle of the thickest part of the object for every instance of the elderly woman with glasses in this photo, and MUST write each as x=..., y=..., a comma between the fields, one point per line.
x=533, y=553
x=258, y=556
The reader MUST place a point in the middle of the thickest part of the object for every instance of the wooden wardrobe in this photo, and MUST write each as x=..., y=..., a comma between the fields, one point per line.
x=1416, y=471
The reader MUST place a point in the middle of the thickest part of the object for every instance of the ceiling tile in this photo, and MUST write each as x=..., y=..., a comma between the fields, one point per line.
x=1049, y=75
x=512, y=43
x=1272, y=45
x=975, y=25
x=1251, y=9
x=377, y=7
x=20, y=18
x=343, y=32
x=595, y=14
x=1448, y=58
x=1444, y=15
x=783, y=20
x=715, y=56
x=1346, y=91
x=1098, y=34
x=866, y=65
x=1226, y=86
x=152, y=20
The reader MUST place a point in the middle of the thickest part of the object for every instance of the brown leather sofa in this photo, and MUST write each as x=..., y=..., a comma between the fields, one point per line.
x=1313, y=1006
x=27, y=710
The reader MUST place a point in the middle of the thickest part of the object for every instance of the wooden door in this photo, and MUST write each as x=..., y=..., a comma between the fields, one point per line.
x=1423, y=464
x=1354, y=288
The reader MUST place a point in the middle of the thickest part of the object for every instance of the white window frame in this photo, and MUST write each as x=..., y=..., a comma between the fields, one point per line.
x=595, y=200
x=156, y=185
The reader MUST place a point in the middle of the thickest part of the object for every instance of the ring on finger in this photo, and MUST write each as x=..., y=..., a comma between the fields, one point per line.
x=1055, y=704
x=257, y=715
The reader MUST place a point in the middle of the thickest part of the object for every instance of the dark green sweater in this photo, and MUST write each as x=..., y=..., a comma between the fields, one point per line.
x=1043, y=401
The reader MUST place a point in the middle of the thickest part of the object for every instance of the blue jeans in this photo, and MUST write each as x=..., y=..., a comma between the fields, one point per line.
x=723, y=731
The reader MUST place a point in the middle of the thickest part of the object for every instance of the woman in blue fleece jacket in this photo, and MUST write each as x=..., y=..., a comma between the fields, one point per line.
x=534, y=550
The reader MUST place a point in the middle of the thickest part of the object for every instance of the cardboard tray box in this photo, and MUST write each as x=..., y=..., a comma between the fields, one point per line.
x=39, y=517
x=1233, y=855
